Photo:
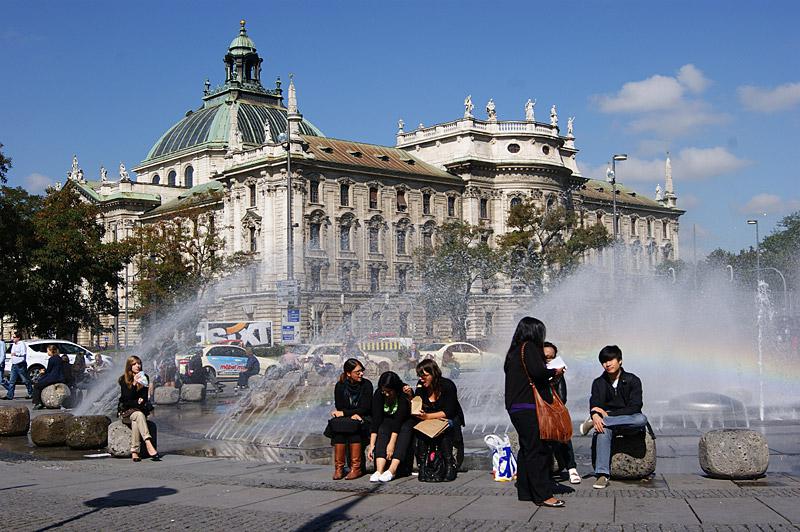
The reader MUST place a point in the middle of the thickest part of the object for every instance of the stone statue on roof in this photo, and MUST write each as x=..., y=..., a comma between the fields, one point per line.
x=530, y=107
x=570, y=122
x=123, y=174
x=468, y=107
x=400, y=125
x=73, y=171
x=553, y=116
x=206, y=87
x=79, y=177
x=491, y=112
x=267, y=133
x=103, y=174
x=659, y=195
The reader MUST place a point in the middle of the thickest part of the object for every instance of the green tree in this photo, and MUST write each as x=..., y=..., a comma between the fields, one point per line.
x=17, y=211
x=73, y=274
x=449, y=271
x=544, y=246
x=5, y=165
x=781, y=250
x=176, y=259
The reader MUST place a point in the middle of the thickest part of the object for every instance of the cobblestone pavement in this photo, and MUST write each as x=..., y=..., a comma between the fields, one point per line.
x=192, y=493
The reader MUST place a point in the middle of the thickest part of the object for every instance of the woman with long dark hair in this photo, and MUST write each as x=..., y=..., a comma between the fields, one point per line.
x=134, y=407
x=439, y=401
x=349, y=423
x=390, y=434
x=525, y=363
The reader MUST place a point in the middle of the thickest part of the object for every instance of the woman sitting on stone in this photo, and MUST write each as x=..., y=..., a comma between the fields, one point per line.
x=52, y=375
x=134, y=407
x=348, y=427
x=79, y=368
x=439, y=401
x=390, y=434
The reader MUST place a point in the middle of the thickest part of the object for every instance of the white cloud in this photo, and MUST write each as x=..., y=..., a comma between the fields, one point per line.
x=689, y=201
x=689, y=164
x=692, y=78
x=659, y=104
x=769, y=100
x=768, y=204
x=36, y=183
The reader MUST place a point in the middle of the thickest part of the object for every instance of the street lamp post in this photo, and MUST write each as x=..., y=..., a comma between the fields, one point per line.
x=758, y=250
x=286, y=140
x=611, y=177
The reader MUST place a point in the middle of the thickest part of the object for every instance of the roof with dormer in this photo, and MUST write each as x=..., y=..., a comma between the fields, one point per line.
x=601, y=191
x=196, y=196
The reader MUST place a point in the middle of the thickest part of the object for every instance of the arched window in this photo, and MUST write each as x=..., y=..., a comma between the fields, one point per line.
x=156, y=179
x=188, y=177
x=516, y=200
x=171, y=178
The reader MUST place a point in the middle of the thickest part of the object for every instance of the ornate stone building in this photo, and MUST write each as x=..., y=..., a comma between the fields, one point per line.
x=360, y=210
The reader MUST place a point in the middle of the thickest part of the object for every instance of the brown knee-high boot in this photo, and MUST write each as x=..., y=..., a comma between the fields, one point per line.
x=339, y=455
x=355, y=462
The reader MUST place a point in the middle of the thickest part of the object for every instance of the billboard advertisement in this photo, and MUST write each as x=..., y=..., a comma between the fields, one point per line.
x=248, y=333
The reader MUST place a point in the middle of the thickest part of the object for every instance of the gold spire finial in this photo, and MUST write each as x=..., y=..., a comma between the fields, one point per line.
x=242, y=23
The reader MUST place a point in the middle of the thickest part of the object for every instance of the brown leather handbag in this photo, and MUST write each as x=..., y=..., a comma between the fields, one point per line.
x=555, y=424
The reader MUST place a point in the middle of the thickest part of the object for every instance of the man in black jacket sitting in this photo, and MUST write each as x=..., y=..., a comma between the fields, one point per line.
x=616, y=403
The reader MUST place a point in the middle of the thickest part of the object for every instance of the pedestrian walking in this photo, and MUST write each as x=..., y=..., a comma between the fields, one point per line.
x=19, y=367
x=3, y=379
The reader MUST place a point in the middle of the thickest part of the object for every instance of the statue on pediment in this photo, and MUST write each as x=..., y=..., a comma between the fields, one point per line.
x=491, y=111
x=529, y=110
x=468, y=107
x=553, y=116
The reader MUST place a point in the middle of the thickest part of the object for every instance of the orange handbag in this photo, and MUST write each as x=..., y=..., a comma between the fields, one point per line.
x=555, y=424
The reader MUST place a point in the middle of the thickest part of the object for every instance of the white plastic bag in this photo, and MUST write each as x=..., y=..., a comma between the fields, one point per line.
x=504, y=464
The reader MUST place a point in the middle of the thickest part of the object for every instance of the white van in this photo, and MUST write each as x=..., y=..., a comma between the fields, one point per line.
x=37, y=354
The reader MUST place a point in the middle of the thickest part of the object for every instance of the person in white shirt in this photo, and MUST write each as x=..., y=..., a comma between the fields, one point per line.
x=19, y=367
x=3, y=362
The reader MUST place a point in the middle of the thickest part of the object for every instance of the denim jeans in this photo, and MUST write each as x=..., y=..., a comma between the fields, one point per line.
x=18, y=371
x=602, y=461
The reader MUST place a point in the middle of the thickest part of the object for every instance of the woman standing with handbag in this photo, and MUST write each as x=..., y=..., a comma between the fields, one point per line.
x=524, y=366
x=349, y=423
x=134, y=407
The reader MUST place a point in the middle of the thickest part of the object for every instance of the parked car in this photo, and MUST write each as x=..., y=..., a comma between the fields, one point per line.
x=37, y=355
x=332, y=354
x=221, y=361
x=465, y=354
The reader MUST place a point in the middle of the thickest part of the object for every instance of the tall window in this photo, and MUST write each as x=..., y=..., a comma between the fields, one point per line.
x=344, y=238
x=374, y=280
x=634, y=223
x=314, y=236
x=188, y=177
x=401, y=281
x=344, y=195
x=171, y=178
x=426, y=203
x=373, y=197
x=252, y=195
x=401, y=241
x=488, y=324
x=253, y=240
x=451, y=206
x=484, y=208
x=314, y=192
x=664, y=229
x=404, y=324
x=156, y=179
x=315, y=282
x=402, y=206
x=344, y=279
x=649, y=228
x=374, y=233
x=427, y=240
x=599, y=216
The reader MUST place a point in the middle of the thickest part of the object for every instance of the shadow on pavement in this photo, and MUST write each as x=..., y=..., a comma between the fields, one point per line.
x=324, y=521
x=115, y=499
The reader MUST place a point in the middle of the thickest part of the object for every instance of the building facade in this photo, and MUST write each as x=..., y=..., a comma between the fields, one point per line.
x=358, y=210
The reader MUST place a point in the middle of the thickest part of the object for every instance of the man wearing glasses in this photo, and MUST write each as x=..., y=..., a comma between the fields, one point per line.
x=19, y=367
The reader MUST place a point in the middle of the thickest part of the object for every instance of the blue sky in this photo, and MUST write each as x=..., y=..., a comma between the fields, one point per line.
x=715, y=83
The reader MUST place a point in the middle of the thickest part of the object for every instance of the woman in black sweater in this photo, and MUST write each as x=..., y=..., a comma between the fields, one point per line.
x=439, y=401
x=52, y=375
x=533, y=473
x=349, y=423
x=133, y=407
x=390, y=434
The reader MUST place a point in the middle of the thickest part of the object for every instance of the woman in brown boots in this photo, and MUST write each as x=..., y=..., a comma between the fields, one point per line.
x=349, y=423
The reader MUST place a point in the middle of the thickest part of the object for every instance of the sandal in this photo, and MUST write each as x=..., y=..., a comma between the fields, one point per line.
x=136, y=459
x=558, y=504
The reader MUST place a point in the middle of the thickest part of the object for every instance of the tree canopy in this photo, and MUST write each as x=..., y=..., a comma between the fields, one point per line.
x=5, y=165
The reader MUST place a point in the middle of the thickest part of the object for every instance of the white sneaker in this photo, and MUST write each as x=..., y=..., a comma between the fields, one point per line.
x=386, y=476
x=586, y=427
x=574, y=477
x=375, y=477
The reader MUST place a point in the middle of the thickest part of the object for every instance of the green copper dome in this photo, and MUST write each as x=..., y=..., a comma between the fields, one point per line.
x=210, y=127
x=242, y=44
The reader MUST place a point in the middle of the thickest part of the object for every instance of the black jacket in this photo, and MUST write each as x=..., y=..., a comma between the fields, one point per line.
x=364, y=406
x=129, y=396
x=54, y=372
x=447, y=401
x=626, y=399
x=518, y=389
x=393, y=421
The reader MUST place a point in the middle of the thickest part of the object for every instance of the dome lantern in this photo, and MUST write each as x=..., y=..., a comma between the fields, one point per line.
x=242, y=63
